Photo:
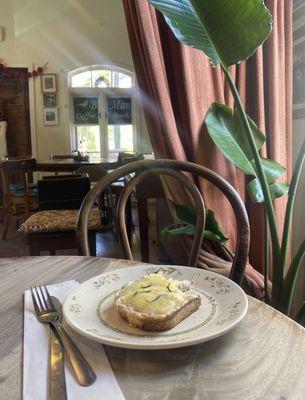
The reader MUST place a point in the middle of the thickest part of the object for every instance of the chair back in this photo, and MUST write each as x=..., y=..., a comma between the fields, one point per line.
x=144, y=170
x=19, y=170
x=95, y=172
x=62, y=193
x=125, y=158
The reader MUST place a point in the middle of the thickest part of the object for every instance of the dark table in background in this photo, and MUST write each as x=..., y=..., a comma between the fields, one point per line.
x=70, y=165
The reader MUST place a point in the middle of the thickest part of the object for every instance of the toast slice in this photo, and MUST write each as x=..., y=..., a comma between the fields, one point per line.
x=154, y=303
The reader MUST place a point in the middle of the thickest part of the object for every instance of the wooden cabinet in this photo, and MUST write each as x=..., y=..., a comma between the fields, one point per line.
x=14, y=96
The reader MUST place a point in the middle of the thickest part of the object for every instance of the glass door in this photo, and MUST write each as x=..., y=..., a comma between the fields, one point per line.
x=89, y=121
x=120, y=127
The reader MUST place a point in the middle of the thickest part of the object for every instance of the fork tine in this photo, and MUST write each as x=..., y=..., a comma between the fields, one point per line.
x=49, y=299
x=36, y=308
x=40, y=297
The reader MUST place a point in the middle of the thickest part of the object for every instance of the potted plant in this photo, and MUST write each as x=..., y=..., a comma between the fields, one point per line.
x=201, y=24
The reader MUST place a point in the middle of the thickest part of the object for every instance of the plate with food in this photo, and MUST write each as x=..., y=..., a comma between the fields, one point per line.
x=155, y=307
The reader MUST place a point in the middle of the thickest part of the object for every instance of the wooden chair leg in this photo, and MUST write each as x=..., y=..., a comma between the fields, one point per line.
x=16, y=213
x=6, y=221
x=92, y=242
x=34, y=250
x=143, y=227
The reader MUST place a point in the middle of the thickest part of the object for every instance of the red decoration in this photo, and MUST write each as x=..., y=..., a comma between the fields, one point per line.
x=20, y=75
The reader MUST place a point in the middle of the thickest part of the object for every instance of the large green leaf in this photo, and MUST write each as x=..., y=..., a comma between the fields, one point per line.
x=238, y=131
x=227, y=31
x=272, y=169
x=188, y=217
x=176, y=231
x=213, y=226
x=226, y=133
x=277, y=189
x=186, y=213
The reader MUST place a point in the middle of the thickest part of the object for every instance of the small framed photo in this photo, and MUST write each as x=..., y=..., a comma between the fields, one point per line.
x=49, y=100
x=50, y=116
x=48, y=83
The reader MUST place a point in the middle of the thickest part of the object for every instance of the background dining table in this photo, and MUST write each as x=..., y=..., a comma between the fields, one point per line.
x=71, y=165
x=263, y=357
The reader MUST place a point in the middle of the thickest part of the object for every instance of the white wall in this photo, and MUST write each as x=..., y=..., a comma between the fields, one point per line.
x=67, y=34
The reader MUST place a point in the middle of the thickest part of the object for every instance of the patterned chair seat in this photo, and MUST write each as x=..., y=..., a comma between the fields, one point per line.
x=59, y=221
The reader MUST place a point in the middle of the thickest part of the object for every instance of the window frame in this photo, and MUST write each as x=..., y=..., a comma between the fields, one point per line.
x=102, y=93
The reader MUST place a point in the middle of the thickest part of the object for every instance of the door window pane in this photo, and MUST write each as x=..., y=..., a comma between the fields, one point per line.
x=101, y=78
x=121, y=80
x=120, y=138
x=88, y=138
x=83, y=79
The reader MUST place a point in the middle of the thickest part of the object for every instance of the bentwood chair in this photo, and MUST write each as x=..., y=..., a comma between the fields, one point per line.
x=106, y=203
x=53, y=227
x=19, y=194
x=108, y=199
x=170, y=168
x=95, y=172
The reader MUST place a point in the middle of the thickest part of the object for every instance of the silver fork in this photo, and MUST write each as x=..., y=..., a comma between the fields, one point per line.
x=46, y=313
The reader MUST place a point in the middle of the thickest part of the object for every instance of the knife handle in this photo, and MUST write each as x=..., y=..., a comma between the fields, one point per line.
x=57, y=382
x=82, y=370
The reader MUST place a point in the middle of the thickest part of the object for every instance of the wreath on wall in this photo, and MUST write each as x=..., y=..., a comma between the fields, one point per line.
x=8, y=73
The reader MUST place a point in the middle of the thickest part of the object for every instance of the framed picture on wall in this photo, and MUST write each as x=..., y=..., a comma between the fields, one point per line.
x=50, y=116
x=49, y=99
x=48, y=83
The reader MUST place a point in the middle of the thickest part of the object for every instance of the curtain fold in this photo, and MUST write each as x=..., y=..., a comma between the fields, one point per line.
x=177, y=86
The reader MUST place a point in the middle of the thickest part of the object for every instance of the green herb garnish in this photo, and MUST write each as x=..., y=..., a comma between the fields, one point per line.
x=147, y=286
x=156, y=298
x=141, y=291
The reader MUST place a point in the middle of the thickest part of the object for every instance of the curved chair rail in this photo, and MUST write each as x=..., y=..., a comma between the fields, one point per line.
x=138, y=167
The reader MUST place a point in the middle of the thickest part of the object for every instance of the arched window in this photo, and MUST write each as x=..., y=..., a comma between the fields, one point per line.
x=103, y=111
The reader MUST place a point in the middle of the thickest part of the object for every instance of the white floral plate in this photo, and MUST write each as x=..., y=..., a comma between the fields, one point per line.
x=90, y=310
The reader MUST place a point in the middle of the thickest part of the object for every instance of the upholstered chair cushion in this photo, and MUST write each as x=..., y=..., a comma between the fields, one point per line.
x=58, y=221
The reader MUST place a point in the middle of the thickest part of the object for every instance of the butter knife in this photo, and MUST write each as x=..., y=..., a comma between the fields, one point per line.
x=57, y=382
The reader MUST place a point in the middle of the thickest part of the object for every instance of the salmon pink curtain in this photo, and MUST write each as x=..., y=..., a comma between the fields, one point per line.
x=178, y=85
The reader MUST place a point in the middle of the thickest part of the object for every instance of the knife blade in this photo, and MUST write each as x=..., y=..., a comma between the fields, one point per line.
x=57, y=381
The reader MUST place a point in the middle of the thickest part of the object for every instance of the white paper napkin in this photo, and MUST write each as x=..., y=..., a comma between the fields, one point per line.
x=36, y=353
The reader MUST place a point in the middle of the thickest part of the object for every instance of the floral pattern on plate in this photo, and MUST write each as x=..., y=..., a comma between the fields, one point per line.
x=90, y=309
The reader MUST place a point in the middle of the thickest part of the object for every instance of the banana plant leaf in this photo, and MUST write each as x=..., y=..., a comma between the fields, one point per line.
x=213, y=226
x=238, y=131
x=226, y=131
x=272, y=169
x=245, y=24
x=187, y=217
x=186, y=214
x=277, y=189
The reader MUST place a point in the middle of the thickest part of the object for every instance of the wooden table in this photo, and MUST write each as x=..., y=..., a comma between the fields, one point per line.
x=69, y=165
x=262, y=358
